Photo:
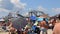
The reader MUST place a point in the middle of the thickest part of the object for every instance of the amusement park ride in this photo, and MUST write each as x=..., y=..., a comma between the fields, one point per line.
x=37, y=13
x=20, y=21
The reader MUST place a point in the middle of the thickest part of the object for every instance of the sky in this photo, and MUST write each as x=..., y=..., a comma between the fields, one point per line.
x=51, y=7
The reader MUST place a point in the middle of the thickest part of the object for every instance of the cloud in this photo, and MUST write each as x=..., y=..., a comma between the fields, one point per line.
x=7, y=6
x=40, y=8
x=0, y=0
x=12, y=4
x=4, y=10
x=18, y=4
x=56, y=9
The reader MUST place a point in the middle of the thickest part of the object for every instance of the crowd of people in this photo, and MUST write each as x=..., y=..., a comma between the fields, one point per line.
x=35, y=26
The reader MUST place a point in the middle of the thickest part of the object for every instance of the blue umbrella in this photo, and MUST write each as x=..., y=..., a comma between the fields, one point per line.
x=40, y=19
x=33, y=17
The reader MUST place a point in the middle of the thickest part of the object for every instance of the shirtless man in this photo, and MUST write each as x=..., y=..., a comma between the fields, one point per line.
x=43, y=27
x=56, y=29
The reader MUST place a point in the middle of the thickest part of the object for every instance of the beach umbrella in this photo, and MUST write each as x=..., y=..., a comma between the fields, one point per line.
x=19, y=23
x=33, y=17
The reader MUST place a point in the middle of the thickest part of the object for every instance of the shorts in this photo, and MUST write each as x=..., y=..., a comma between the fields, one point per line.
x=43, y=29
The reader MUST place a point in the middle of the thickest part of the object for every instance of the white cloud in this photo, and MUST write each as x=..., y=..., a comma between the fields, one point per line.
x=56, y=9
x=18, y=4
x=40, y=8
x=11, y=5
x=4, y=10
x=0, y=0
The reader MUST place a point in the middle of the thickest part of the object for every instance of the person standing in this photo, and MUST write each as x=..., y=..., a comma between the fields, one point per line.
x=56, y=29
x=43, y=27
